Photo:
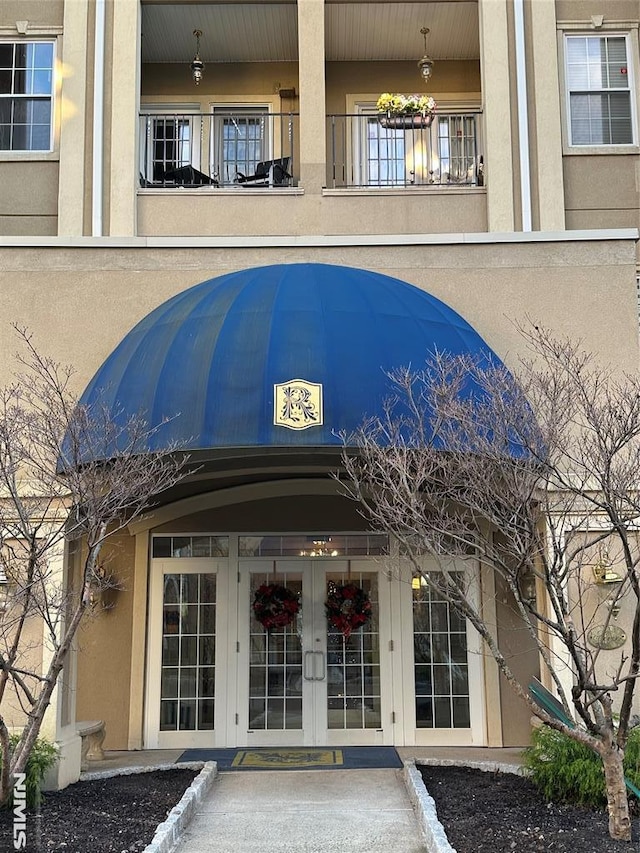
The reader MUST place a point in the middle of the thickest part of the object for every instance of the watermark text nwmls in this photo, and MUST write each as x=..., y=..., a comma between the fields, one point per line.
x=19, y=811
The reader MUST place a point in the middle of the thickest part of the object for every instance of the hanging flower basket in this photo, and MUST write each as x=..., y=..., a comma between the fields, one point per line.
x=275, y=606
x=348, y=607
x=406, y=121
x=405, y=111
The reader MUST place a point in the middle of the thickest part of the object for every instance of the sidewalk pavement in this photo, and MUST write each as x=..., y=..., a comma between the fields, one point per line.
x=305, y=811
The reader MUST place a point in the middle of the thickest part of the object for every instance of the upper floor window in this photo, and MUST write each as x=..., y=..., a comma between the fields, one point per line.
x=411, y=152
x=599, y=84
x=26, y=95
x=240, y=140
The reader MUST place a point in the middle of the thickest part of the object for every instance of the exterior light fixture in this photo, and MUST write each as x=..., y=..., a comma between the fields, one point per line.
x=608, y=582
x=197, y=65
x=426, y=63
x=527, y=587
x=4, y=594
x=603, y=573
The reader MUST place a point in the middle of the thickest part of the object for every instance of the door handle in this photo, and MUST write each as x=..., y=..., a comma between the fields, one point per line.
x=309, y=672
x=323, y=668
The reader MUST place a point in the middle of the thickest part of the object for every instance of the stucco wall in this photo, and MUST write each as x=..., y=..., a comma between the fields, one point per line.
x=104, y=650
x=80, y=302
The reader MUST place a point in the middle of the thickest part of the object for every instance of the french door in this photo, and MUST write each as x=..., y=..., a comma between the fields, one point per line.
x=306, y=684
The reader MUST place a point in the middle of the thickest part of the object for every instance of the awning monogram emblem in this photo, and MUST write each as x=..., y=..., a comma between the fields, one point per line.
x=297, y=404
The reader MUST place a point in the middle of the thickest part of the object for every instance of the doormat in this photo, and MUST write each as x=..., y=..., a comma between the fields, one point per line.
x=298, y=758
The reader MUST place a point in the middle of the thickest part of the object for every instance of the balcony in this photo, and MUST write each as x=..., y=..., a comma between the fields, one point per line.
x=243, y=148
x=367, y=150
x=224, y=157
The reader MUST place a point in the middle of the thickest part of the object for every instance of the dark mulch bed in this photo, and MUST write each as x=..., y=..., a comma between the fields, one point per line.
x=109, y=816
x=503, y=813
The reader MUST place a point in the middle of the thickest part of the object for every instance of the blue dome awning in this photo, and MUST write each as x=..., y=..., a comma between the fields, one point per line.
x=287, y=355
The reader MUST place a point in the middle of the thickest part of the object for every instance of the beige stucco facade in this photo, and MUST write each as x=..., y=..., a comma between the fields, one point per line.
x=93, y=238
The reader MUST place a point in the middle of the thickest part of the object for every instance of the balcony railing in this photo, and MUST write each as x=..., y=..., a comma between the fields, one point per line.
x=240, y=147
x=368, y=150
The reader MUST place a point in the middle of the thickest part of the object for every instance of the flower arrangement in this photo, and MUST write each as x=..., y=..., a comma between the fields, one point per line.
x=348, y=607
x=275, y=606
x=399, y=105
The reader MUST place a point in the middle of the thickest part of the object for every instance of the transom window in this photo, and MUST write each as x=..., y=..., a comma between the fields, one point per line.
x=26, y=95
x=599, y=83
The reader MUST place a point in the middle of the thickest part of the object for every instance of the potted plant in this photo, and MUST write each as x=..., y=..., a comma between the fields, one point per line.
x=399, y=111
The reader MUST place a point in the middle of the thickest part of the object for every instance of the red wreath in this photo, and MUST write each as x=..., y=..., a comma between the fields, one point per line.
x=348, y=607
x=275, y=606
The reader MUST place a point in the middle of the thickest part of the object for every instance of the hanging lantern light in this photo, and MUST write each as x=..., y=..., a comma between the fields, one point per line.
x=426, y=63
x=197, y=65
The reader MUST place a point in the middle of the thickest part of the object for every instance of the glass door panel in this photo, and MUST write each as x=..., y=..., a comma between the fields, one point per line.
x=275, y=664
x=187, y=688
x=353, y=664
x=306, y=684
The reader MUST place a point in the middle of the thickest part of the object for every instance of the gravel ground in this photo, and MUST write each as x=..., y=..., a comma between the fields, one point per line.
x=503, y=813
x=117, y=815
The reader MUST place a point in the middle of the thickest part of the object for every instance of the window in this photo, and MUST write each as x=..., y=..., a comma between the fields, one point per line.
x=599, y=90
x=443, y=153
x=170, y=141
x=441, y=666
x=26, y=95
x=240, y=140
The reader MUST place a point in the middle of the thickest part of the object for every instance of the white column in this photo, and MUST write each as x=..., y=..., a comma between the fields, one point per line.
x=311, y=71
x=122, y=126
x=71, y=105
x=496, y=97
x=546, y=125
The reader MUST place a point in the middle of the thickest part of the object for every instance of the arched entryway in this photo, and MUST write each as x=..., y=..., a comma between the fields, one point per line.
x=260, y=375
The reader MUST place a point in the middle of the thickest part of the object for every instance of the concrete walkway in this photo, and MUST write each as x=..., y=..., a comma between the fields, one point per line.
x=305, y=811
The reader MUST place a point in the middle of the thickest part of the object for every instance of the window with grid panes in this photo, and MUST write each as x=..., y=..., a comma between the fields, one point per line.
x=26, y=95
x=241, y=140
x=599, y=86
x=441, y=668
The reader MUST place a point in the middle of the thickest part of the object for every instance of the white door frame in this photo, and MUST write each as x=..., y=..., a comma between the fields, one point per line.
x=475, y=734
x=153, y=737
x=315, y=667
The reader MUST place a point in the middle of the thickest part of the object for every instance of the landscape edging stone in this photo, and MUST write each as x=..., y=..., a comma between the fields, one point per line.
x=424, y=804
x=170, y=831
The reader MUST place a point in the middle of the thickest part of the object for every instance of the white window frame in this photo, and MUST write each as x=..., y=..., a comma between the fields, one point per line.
x=262, y=106
x=34, y=153
x=479, y=689
x=148, y=112
x=632, y=78
x=357, y=147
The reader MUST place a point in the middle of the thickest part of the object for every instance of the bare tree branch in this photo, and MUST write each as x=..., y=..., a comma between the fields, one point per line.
x=535, y=475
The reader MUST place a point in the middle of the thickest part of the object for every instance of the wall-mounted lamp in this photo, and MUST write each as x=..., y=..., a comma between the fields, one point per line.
x=426, y=63
x=608, y=580
x=607, y=635
x=527, y=587
x=197, y=65
x=602, y=572
x=4, y=593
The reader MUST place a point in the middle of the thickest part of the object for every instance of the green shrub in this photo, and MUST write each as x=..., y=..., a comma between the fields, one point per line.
x=43, y=756
x=565, y=771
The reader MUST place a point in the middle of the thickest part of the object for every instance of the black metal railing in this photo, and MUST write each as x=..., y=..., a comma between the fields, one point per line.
x=378, y=151
x=235, y=147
